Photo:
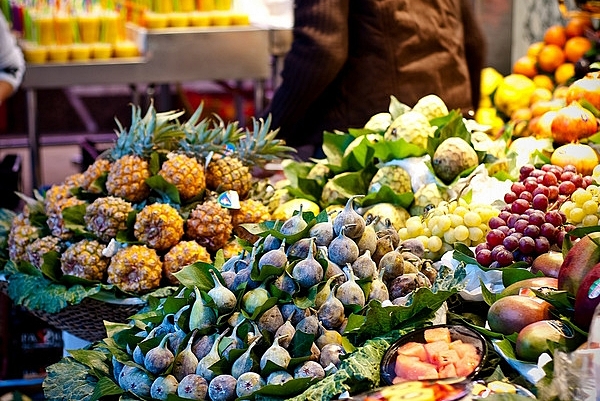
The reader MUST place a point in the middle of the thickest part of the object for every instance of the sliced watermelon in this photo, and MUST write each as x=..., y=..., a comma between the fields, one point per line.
x=413, y=349
x=410, y=368
x=464, y=349
x=448, y=370
x=433, y=349
x=445, y=357
x=437, y=334
x=466, y=365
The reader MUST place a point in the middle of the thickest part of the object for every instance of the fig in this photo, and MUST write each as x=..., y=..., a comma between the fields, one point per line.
x=384, y=246
x=286, y=283
x=135, y=380
x=308, y=272
x=327, y=336
x=392, y=264
x=286, y=332
x=332, y=268
x=162, y=386
x=271, y=242
x=512, y=313
x=308, y=325
x=204, y=364
x=331, y=312
x=223, y=297
x=322, y=233
x=309, y=369
x=166, y=326
x=349, y=217
x=158, y=359
x=185, y=362
x=342, y=249
x=271, y=320
x=117, y=367
x=243, y=277
x=388, y=229
x=364, y=267
x=294, y=224
x=368, y=239
x=137, y=354
x=378, y=289
x=275, y=257
x=293, y=313
x=403, y=285
x=413, y=245
x=300, y=248
x=230, y=264
x=255, y=298
x=229, y=278
x=324, y=292
x=202, y=347
x=330, y=355
x=350, y=293
x=233, y=341
x=222, y=388
x=279, y=377
x=248, y=383
x=315, y=352
x=245, y=362
x=202, y=316
x=429, y=271
x=276, y=354
x=193, y=387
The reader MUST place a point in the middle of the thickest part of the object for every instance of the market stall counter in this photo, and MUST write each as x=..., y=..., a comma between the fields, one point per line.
x=168, y=56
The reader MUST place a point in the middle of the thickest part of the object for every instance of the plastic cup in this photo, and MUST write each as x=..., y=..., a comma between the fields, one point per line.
x=220, y=18
x=102, y=50
x=187, y=6
x=44, y=25
x=89, y=27
x=239, y=18
x=110, y=28
x=206, y=5
x=178, y=20
x=35, y=54
x=126, y=48
x=155, y=20
x=63, y=25
x=223, y=5
x=199, y=18
x=59, y=53
x=80, y=51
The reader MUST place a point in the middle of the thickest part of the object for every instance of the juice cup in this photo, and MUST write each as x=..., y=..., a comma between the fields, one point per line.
x=206, y=5
x=102, y=50
x=59, y=53
x=126, y=48
x=178, y=20
x=223, y=5
x=35, y=53
x=43, y=24
x=186, y=6
x=239, y=18
x=163, y=6
x=109, y=31
x=155, y=20
x=220, y=18
x=81, y=51
x=199, y=18
x=89, y=27
x=63, y=25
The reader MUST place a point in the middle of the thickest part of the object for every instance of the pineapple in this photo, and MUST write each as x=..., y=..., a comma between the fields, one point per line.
x=210, y=225
x=159, y=226
x=53, y=197
x=39, y=247
x=232, y=248
x=135, y=268
x=96, y=170
x=21, y=234
x=74, y=180
x=250, y=211
x=84, y=259
x=106, y=216
x=56, y=222
x=130, y=168
x=183, y=254
x=186, y=173
x=231, y=170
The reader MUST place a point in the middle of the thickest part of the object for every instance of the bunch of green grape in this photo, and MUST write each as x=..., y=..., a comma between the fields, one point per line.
x=439, y=228
x=582, y=209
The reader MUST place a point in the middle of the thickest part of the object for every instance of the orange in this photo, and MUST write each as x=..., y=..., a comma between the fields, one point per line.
x=576, y=47
x=577, y=25
x=526, y=66
x=564, y=73
x=543, y=81
x=540, y=94
x=534, y=49
x=555, y=35
x=550, y=57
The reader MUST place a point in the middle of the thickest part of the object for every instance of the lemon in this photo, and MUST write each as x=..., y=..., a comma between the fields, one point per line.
x=287, y=209
x=514, y=92
x=490, y=79
x=488, y=116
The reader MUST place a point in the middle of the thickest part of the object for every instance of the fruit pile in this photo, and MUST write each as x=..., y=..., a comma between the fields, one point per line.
x=168, y=194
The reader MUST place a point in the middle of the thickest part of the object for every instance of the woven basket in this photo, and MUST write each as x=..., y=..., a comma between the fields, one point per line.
x=86, y=319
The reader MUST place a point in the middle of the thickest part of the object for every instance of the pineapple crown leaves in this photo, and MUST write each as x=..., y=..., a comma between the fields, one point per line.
x=154, y=130
x=259, y=145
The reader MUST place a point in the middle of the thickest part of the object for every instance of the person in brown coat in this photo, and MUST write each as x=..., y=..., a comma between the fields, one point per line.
x=349, y=56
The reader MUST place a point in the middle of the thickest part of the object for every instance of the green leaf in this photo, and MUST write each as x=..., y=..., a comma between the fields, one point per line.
x=511, y=275
x=106, y=387
x=294, y=170
x=196, y=274
x=301, y=344
x=333, y=147
x=160, y=185
x=397, y=108
x=488, y=296
x=69, y=377
x=387, y=195
x=397, y=149
x=73, y=218
x=360, y=156
x=285, y=390
x=91, y=358
x=448, y=126
x=311, y=188
x=51, y=265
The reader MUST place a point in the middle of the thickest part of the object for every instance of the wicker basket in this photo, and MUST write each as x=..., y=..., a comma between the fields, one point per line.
x=86, y=319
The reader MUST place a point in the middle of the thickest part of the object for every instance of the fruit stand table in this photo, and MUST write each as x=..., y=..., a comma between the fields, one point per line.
x=168, y=56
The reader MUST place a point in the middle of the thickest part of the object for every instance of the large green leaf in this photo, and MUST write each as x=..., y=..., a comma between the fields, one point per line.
x=69, y=377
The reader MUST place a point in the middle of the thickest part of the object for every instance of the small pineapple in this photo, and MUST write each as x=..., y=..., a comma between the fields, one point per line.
x=159, y=226
x=250, y=211
x=232, y=248
x=39, y=247
x=183, y=254
x=135, y=268
x=84, y=259
x=210, y=225
x=106, y=216
x=186, y=173
x=94, y=171
x=53, y=197
x=74, y=180
x=21, y=234
x=394, y=177
x=130, y=168
x=56, y=222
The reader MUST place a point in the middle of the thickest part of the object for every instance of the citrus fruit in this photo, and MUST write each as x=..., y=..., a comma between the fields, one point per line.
x=287, y=209
x=577, y=25
x=534, y=49
x=540, y=94
x=564, y=72
x=543, y=81
x=550, y=57
x=525, y=65
x=555, y=35
x=490, y=79
x=576, y=47
x=514, y=92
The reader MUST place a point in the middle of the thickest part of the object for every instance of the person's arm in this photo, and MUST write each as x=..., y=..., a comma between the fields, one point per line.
x=12, y=63
x=319, y=51
x=475, y=49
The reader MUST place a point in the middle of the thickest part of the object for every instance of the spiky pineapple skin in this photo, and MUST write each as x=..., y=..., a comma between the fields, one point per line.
x=182, y=254
x=84, y=259
x=232, y=248
x=185, y=173
x=210, y=225
x=159, y=226
x=106, y=216
x=39, y=247
x=127, y=178
x=94, y=171
x=229, y=173
x=21, y=234
x=55, y=220
x=135, y=268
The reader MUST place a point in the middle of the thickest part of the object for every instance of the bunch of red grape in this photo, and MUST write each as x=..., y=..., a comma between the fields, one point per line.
x=531, y=222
